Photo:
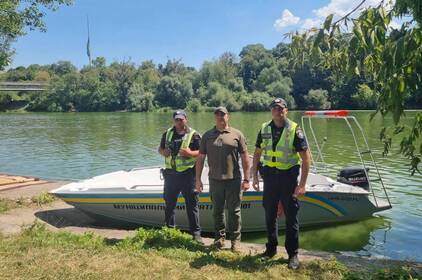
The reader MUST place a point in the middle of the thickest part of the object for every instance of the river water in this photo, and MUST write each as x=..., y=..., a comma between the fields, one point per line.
x=81, y=145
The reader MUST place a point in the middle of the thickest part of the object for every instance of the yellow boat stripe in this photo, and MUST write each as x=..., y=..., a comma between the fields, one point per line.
x=201, y=199
x=322, y=204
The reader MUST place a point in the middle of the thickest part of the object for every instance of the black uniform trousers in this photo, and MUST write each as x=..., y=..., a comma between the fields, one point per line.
x=174, y=184
x=279, y=185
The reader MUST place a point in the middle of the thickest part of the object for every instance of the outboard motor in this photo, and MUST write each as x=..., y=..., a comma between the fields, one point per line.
x=355, y=176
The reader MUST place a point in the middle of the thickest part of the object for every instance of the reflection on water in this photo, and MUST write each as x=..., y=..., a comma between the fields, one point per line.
x=82, y=145
x=354, y=237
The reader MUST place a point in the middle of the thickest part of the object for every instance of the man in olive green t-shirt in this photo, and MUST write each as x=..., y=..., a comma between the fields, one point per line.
x=223, y=145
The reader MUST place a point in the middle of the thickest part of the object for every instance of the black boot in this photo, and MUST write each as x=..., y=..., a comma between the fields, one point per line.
x=270, y=251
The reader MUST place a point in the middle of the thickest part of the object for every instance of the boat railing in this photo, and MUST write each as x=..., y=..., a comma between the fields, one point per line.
x=365, y=155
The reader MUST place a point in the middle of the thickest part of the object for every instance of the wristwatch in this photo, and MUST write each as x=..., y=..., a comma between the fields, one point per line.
x=246, y=180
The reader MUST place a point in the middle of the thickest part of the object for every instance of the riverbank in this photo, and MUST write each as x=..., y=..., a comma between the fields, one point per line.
x=37, y=230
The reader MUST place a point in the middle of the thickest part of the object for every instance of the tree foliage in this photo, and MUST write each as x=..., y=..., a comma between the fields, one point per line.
x=317, y=99
x=391, y=59
x=16, y=16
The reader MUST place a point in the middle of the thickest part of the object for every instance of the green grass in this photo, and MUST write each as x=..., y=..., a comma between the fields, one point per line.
x=43, y=199
x=8, y=204
x=36, y=201
x=38, y=253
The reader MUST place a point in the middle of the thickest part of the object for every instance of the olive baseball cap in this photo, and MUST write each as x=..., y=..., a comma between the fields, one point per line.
x=221, y=109
x=179, y=114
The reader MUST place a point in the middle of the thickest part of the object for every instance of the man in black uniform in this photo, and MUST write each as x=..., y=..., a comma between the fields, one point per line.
x=180, y=147
x=282, y=145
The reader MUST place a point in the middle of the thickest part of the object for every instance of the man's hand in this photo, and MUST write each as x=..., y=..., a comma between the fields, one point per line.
x=198, y=186
x=300, y=190
x=186, y=152
x=245, y=185
x=255, y=183
x=166, y=152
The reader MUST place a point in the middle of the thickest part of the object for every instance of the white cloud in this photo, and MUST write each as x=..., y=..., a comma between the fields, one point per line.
x=286, y=19
x=339, y=8
x=310, y=23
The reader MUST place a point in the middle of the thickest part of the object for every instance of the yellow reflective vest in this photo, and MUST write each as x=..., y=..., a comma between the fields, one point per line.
x=178, y=162
x=284, y=154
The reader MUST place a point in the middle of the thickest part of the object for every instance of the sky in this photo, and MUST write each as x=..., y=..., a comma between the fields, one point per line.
x=189, y=30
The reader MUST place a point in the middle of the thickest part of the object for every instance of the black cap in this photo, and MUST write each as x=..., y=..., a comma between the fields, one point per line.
x=279, y=102
x=221, y=109
x=179, y=114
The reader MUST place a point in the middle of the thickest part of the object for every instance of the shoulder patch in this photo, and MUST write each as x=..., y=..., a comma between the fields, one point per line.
x=299, y=134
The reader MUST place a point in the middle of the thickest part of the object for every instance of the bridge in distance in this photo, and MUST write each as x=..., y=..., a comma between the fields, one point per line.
x=23, y=86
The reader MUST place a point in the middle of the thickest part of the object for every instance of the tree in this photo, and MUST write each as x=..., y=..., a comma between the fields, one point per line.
x=148, y=76
x=99, y=62
x=122, y=75
x=223, y=70
x=281, y=50
x=17, y=74
x=390, y=58
x=218, y=95
x=140, y=100
x=306, y=77
x=5, y=101
x=62, y=68
x=317, y=99
x=254, y=58
x=6, y=52
x=255, y=101
x=16, y=15
x=42, y=76
x=194, y=105
x=268, y=76
x=172, y=67
x=365, y=98
x=282, y=89
x=174, y=92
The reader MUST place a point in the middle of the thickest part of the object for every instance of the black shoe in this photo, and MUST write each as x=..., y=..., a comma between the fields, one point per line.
x=198, y=239
x=293, y=262
x=270, y=251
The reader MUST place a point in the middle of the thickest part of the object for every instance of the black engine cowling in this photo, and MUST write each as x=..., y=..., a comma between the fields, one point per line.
x=354, y=175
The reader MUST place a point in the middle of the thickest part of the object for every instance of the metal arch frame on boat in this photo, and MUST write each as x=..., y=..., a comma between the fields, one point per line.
x=344, y=115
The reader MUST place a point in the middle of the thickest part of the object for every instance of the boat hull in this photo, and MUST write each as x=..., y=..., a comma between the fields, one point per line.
x=316, y=208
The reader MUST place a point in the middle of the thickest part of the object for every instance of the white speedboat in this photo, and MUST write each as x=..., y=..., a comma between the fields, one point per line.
x=136, y=196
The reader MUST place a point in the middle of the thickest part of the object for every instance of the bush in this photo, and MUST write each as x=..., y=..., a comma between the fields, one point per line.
x=256, y=101
x=317, y=99
x=174, y=92
x=194, y=105
x=43, y=198
x=364, y=98
x=139, y=100
x=5, y=101
x=221, y=96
